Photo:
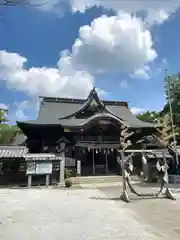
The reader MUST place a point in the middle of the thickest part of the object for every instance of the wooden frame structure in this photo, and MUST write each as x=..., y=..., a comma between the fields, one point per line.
x=127, y=169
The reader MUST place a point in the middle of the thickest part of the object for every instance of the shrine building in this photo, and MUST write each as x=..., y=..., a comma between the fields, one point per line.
x=87, y=131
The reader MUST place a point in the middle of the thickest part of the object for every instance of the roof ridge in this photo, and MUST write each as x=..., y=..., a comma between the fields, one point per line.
x=79, y=100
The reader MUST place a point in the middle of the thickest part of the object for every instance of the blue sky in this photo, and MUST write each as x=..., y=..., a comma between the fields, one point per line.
x=40, y=36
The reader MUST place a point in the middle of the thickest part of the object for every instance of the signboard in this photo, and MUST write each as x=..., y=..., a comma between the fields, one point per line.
x=78, y=167
x=31, y=168
x=43, y=168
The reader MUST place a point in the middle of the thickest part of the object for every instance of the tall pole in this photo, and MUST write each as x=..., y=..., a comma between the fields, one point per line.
x=171, y=114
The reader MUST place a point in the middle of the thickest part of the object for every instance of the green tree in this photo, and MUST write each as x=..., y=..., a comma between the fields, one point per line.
x=3, y=119
x=148, y=116
x=3, y=116
x=173, y=83
x=6, y=131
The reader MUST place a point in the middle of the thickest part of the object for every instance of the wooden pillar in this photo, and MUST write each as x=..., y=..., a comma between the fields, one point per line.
x=93, y=162
x=29, y=180
x=106, y=161
x=47, y=180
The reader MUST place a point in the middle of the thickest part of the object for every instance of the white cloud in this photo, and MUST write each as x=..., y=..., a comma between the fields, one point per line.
x=117, y=43
x=142, y=73
x=3, y=106
x=20, y=110
x=124, y=84
x=23, y=110
x=157, y=11
x=157, y=17
x=63, y=81
x=136, y=110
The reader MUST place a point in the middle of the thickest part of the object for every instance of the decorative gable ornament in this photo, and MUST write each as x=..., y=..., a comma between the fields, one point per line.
x=93, y=103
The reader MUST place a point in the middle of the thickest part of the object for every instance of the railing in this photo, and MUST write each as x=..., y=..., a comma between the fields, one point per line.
x=174, y=179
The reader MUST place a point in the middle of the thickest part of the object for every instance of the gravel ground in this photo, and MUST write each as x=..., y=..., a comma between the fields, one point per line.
x=162, y=215
x=80, y=214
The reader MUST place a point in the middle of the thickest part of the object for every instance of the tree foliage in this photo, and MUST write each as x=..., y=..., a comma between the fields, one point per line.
x=174, y=92
x=124, y=137
x=165, y=130
x=6, y=131
x=3, y=115
x=148, y=116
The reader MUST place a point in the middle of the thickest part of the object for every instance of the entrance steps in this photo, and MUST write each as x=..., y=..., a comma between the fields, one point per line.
x=96, y=179
x=104, y=180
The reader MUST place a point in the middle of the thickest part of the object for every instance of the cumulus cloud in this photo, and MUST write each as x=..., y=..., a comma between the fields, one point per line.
x=136, y=110
x=3, y=106
x=142, y=73
x=20, y=109
x=62, y=81
x=23, y=110
x=117, y=43
x=156, y=11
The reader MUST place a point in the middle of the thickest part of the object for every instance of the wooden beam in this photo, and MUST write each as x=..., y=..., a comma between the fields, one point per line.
x=145, y=150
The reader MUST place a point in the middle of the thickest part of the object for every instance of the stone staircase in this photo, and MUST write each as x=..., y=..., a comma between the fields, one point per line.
x=98, y=180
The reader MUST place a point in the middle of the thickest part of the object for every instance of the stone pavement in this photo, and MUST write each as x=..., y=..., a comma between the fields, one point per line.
x=80, y=214
x=162, y=215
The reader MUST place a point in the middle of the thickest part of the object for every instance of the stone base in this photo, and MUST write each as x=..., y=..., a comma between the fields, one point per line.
x=168, y=194
x=124, y=197
x=61, y=184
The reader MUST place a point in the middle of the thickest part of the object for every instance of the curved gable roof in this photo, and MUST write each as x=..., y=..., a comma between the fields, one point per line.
x=62, y=111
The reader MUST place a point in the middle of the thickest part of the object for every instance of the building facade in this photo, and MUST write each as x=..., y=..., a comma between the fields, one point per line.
x=87, y=131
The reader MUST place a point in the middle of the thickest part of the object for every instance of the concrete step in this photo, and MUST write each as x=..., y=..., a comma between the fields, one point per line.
x=99, y=179
x=96, y=179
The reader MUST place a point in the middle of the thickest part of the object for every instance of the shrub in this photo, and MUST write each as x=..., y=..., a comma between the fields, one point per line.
x=67, y=173
x=68, y=183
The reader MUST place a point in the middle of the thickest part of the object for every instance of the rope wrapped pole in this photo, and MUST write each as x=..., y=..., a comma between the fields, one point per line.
x=124, y=195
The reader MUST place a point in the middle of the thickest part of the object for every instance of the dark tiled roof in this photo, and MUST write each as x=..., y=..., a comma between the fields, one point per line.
x=59, y=111
x=126, y=115
x=82, y=122
x=13, y=151
x=54, y=110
